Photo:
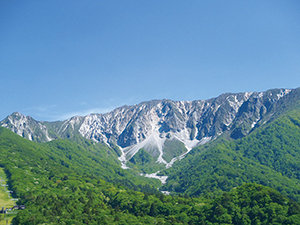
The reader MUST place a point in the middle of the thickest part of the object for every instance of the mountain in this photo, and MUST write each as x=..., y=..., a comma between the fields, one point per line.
x=156, y=125
x=242, y=165
x=269, y=156
x=26, y=127
x=60, y=182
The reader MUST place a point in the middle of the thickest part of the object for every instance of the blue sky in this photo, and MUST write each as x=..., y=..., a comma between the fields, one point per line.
x=65, y=58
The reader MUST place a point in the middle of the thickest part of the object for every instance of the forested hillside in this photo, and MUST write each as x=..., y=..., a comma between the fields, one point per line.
x=269, y=156
x=166, y=130
x=62, y=183
x=253, y=180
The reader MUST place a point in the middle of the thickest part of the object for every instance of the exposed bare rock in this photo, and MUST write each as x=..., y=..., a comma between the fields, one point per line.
x=149, y=124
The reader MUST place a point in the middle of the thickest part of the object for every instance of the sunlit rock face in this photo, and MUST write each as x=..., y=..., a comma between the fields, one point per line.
x=149, y=124
x=26, y=127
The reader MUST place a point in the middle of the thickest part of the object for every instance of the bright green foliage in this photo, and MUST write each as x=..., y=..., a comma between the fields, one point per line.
x=142, y=157
x=253, y=204
x=143, y=162
x=173, y=148
x=62, y=183
x=221, y=169
x=277, y=146
x=78, y=181
x=90, y=158
x=269, y=156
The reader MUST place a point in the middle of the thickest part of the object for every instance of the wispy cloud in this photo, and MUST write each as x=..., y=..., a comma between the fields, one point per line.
x=55, y=113
x=83, y=112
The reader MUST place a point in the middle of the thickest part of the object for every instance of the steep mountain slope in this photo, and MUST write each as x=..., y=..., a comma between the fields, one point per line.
x=156, y=124
x=95, y=159
x=27, y=127
x=56, y=187
x=268, y=156
x=256, y=139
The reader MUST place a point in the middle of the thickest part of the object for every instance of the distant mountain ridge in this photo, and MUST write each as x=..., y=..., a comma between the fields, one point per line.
x=149, y=125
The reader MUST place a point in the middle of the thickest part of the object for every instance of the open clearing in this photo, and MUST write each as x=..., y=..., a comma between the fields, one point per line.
x=5, y=200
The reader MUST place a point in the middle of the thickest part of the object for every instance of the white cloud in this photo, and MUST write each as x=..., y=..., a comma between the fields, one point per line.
x=83, y=112
x=55, y=113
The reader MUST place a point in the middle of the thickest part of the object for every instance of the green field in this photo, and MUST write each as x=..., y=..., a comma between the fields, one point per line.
x=5, y=200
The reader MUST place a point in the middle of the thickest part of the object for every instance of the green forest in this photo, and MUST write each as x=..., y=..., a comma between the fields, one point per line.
x=269, y=156
x=253, y=180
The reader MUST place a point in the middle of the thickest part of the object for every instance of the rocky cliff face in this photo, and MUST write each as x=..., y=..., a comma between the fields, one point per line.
x=26, y=127
x=149, y=124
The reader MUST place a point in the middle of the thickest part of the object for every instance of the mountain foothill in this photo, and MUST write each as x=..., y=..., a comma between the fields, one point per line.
x=233, y=159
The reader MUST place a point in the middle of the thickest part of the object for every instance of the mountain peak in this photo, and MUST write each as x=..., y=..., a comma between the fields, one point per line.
x=26, y=127
x=153, y=125
x=17, y=114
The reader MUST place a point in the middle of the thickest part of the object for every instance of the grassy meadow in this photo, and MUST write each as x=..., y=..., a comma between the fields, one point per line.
x=5, y=200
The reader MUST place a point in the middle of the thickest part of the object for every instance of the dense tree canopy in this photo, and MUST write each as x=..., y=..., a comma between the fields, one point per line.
x=269, y=156
x=67, y=182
